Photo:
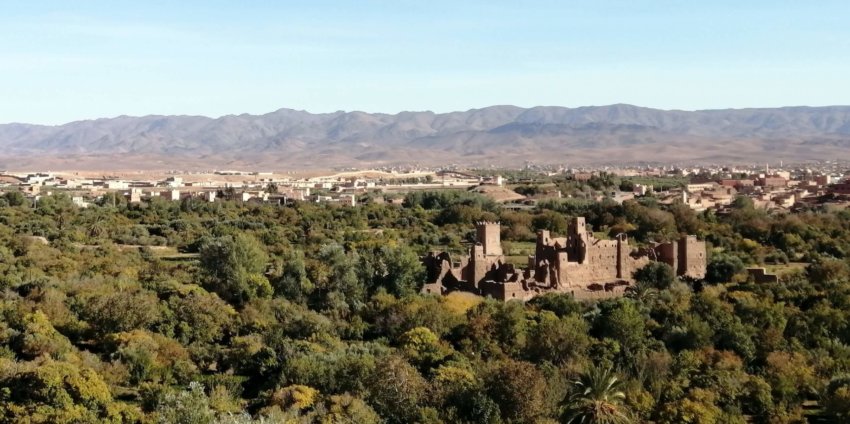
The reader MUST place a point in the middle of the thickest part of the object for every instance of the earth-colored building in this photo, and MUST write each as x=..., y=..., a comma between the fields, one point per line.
x=579, y=264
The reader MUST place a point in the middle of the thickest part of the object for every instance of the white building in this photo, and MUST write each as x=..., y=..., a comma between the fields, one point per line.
x=117, y=185
x=174, y=182
x=80, y=202
x=641, y=189
x=135, y=195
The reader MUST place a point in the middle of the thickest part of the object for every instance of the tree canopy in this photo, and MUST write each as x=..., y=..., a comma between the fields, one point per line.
x=229, y=312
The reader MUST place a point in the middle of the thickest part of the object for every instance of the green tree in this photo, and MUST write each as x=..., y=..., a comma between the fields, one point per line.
x=191, y=406
x=151, y=357
x=721, y=268
x=122, y=310
x=404, y=271
x=334, y=270
x=290, y=279
x=825, y=270
x=396, y=390
x=558, y=340
x=518, y=388
x=698, y=407
x=59, y=392
x=562, y=304
x=657, y=275
x=550, y=220
x=97, y=226
x=201, y=317
x=623, y=321
x=15, y=198
x=422, y=347
x=836, y=399
x=38, y=337
x=597, y=397
x=234, y=268
x=643, y=293
x=346, y=409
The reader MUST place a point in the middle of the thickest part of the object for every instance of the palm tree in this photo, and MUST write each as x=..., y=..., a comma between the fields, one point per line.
x=597, y=398
x=97, y=226
x=642, y=292
x=271, y=188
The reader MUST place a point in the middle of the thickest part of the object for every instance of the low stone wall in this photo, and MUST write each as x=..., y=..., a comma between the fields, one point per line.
x=760, y=276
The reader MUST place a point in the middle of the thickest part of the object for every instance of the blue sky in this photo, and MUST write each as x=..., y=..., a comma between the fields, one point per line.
x=62, y=61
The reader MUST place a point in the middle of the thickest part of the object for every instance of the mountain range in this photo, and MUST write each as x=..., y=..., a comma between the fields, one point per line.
x=496, y=135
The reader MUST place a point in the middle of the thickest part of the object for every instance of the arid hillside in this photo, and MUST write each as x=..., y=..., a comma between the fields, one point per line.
x=497, y=135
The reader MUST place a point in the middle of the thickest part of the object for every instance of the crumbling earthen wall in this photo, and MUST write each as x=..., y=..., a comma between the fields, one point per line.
x=687, y=256
x=669, y=254
x=506, y=291
x=579, y=263
x=692, y=257
x=582, y=259
x=760, y=276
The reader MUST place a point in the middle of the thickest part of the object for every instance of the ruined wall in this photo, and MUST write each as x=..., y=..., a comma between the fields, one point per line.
x=543, y=242
x=760, y=276
x=580, y=264
x=669, y=254
x=600, y=264
x=583, y=294
x=578, y=226
x=582, y=260
x=476, y=269
x=639, y=263
x=692, y=257
x=585, y=260
x=580, y=275
x=432, y=288
x=505, y=291
x=624, y=264
x=561, y=264
x=457, y=268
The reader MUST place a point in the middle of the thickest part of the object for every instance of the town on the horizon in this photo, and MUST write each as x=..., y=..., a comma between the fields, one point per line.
x=779, y=186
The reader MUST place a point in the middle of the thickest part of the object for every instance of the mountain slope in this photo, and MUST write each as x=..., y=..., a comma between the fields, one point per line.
x=499, y=135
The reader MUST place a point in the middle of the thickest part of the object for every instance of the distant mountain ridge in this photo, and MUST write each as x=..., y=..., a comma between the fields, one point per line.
x=496, y=135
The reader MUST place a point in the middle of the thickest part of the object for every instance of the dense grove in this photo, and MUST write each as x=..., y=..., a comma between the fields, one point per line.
x=190, y=312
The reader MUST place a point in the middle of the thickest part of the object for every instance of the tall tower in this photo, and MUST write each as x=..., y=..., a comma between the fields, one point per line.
x=579, y=226
x=489, y=235
x=578, y=239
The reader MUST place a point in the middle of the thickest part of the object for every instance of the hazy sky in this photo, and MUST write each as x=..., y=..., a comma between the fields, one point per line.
x=69, y=60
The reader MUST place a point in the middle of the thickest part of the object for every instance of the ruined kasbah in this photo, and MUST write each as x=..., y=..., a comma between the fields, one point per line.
x=580, y=264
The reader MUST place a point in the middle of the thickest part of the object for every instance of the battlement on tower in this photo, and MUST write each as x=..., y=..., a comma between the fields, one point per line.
x=489, y=235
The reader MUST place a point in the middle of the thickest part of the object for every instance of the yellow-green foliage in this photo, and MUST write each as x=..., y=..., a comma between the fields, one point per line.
x=151, y=357
x=421, y=346
x=40, y=338
x=295, y=396
x=49, y=391
x=460, y=302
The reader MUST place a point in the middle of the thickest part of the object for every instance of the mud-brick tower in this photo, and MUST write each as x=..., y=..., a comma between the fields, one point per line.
x=486, y=254
x=488, y=234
